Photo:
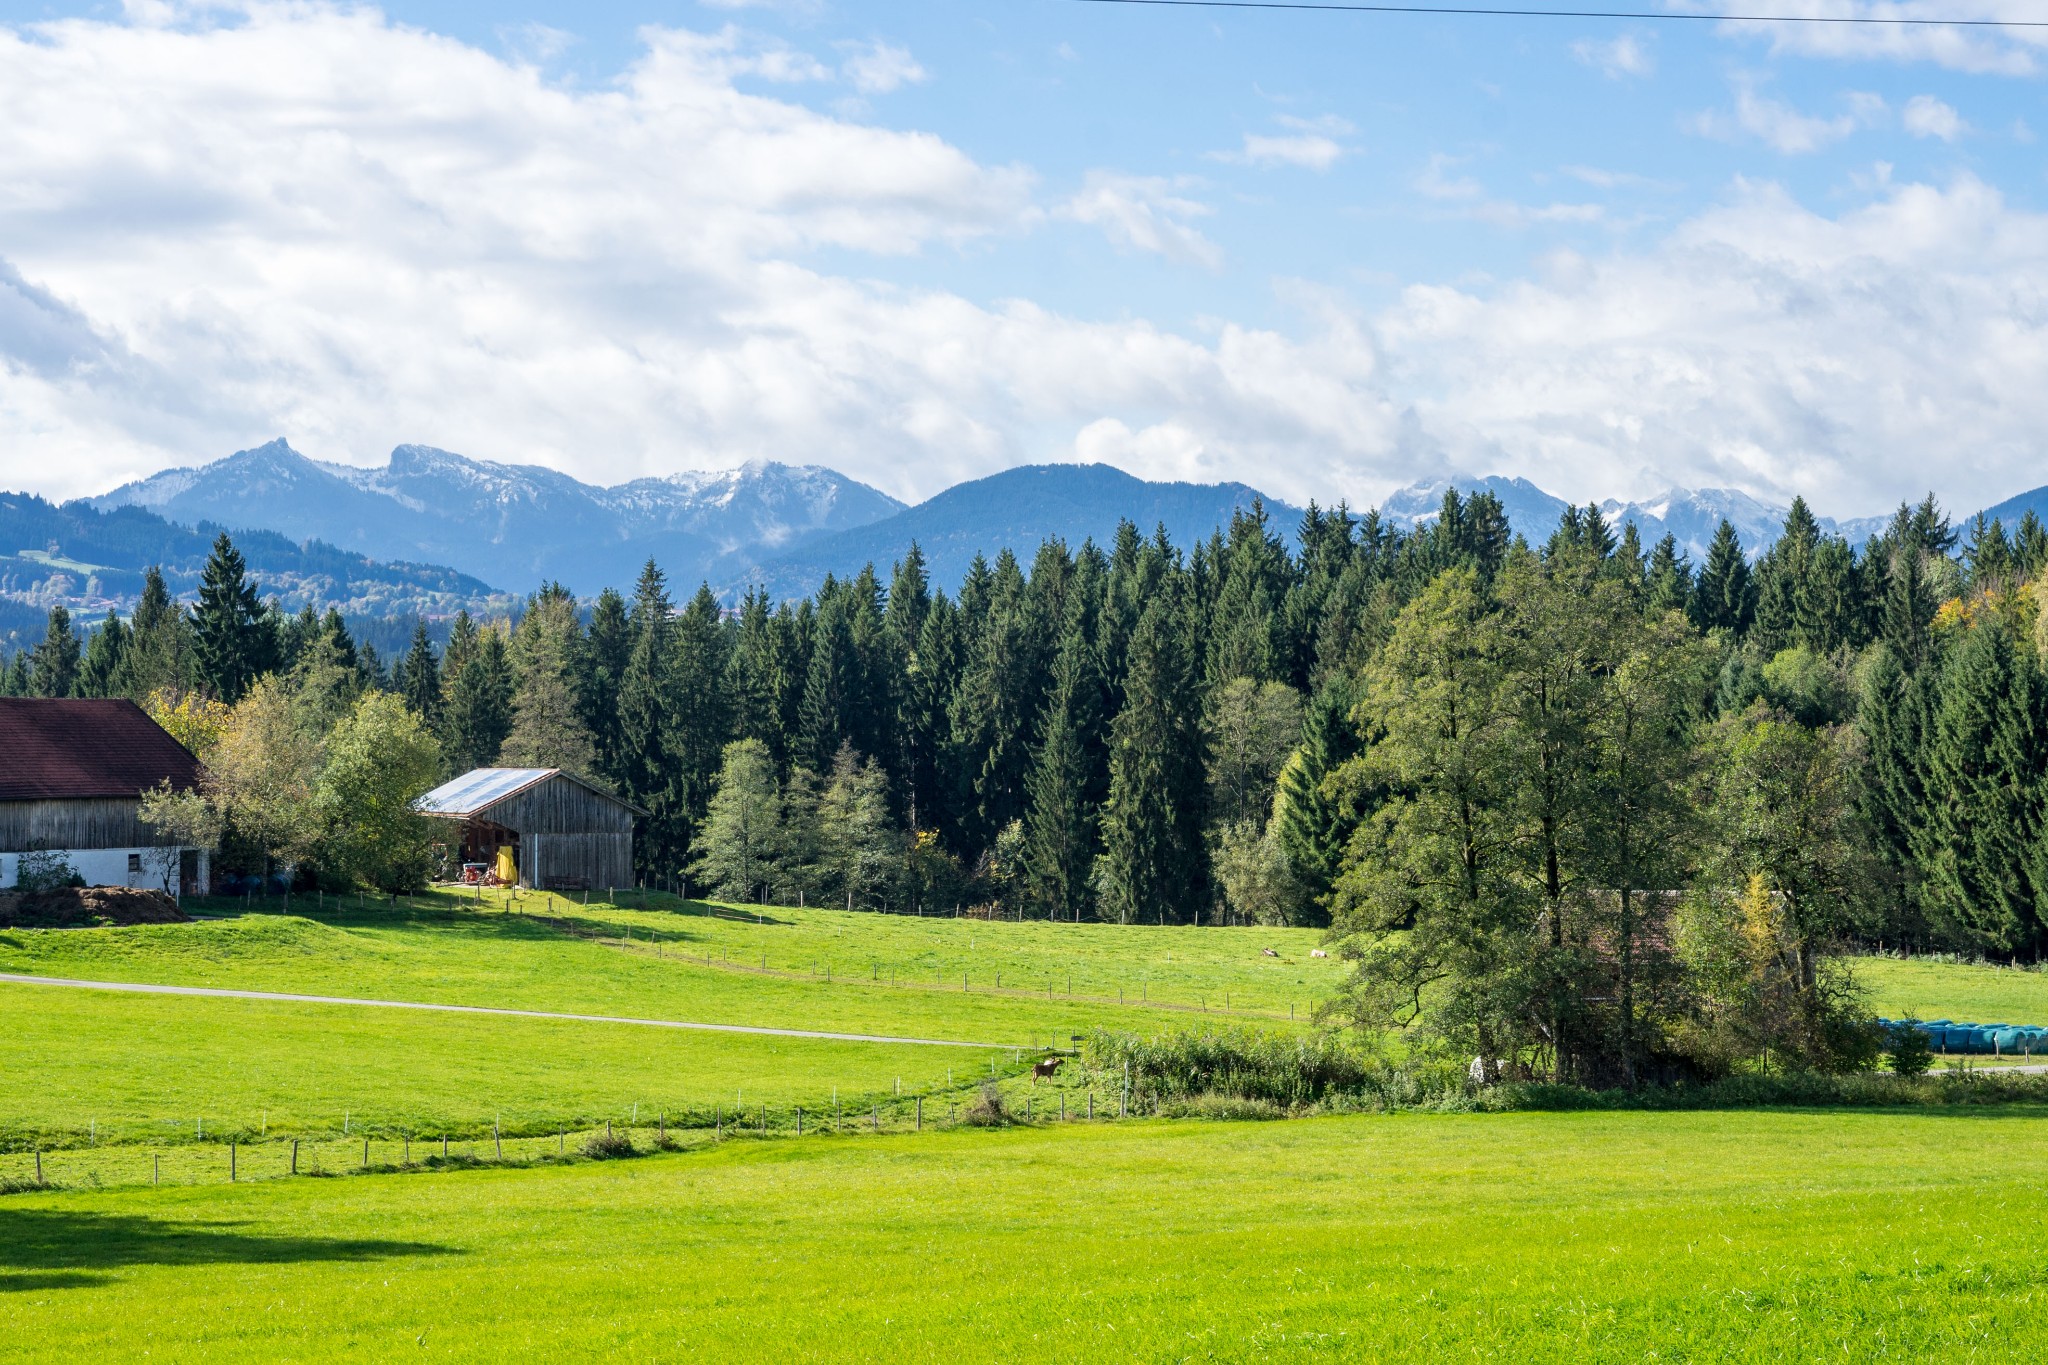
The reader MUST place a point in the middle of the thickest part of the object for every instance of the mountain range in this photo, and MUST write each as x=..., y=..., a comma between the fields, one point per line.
x=508, y=524
x=369, y=539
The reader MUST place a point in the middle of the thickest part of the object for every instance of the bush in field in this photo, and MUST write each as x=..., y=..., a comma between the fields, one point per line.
x=1244, y=1063
x=608, y=1146
x=988, y=1109
x=1907, y=1050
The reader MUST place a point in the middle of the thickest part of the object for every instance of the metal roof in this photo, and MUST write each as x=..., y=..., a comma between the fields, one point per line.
x=481, y=788
x=478, y=788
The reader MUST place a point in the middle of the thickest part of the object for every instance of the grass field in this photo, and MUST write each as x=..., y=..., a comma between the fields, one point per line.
x=1580, y=1237
x=1943, y=990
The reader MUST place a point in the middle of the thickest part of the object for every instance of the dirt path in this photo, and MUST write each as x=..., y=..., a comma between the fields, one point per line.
x=145, y=988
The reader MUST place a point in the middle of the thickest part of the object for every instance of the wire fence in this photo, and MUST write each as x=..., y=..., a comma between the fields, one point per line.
x=234, y=1156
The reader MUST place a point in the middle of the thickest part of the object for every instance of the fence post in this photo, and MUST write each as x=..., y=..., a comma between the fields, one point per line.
x=39, y=1165
x=444, y=1146
x=497, y=1140
x=878, y=1118
x=920, y=1113
x=366, y=1154
x=799, y=1120
x=231, y=1163
x=156, y=1168
x=1091, y=1104
x=295, y=1156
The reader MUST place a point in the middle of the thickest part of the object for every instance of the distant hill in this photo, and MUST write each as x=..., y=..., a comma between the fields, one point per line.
x=93, y=561
x=512, y=525
x=1016, y=510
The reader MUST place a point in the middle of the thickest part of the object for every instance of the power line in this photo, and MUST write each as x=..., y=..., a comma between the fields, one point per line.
x=1584, y=13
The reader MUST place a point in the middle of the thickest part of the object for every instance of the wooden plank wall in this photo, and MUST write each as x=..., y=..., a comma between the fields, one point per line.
x=558, y=806
x=103, y=822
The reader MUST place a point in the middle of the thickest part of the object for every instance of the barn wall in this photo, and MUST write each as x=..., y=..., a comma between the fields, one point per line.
x=558, y=806
x=592, y=860
x=104, y=822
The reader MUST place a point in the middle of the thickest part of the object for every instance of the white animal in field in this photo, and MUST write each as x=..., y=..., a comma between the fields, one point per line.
x=1269, y=952
x=1317, y=952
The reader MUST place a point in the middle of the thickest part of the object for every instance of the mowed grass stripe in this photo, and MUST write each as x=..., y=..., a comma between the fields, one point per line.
x=149, y=1068
x=452, y=953
x=1753, y=1236
x=147, y=988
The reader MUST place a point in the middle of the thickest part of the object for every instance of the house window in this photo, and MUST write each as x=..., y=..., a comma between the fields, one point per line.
x=134, y=868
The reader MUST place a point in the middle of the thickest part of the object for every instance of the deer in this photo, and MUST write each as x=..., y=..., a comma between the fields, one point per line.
x=1045, y=1068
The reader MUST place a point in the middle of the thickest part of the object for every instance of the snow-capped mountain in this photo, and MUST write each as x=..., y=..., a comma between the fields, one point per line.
x=1690, y=515
x=512, y=524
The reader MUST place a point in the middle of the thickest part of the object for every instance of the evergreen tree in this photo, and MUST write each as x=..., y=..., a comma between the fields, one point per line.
x=1669, y=586
x=14, y=678
x=600, y=670
x=1060, y=827
x=479, y=714
x=861, y=847
x=1893, y=717
x=106, y=657
x=159, y=654
x=995, y=711
x=830, y=686
x=1722, y=598
x=547, y=721
x=53, y=663
x=743, y=828
x=229, y=626
x=648, y=774
x=1246, y=639
x=700, y=709
x=1154, y=858
x=1908, y=607
x=1979, y=846
x=1313, y=823
x=419, y=678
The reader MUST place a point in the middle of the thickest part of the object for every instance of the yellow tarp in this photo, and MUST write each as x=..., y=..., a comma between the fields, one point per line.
x=508, y=871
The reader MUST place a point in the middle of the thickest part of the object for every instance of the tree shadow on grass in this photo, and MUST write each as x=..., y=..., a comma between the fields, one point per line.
x=60, y=1249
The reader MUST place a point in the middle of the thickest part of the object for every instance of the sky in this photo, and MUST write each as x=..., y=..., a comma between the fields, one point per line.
x=1327, y=255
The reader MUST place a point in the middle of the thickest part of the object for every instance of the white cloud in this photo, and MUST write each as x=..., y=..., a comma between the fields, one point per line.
x=2007, y=52
x=1623, y=56
x=1312, y=145
x=315, y=223
x=1145, y=214
x=1855, y=359
x=876, y=68
x=1926, y=116
x=1438, y=182
x=1784, y=128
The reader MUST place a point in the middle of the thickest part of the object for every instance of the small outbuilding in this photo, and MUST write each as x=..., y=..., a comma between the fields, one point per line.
x=72, y=775
x=539, y=827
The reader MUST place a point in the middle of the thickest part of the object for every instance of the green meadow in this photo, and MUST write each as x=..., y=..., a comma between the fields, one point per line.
x=1544, y=1237
x=1945, y=990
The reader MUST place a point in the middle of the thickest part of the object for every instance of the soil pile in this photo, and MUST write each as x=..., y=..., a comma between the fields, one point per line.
x=88, y=907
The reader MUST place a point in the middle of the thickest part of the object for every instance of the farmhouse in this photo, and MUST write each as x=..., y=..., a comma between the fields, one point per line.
x=540, y=827
x=72, y=775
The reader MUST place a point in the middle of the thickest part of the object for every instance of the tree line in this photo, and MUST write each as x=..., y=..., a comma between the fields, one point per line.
x=1142, y=732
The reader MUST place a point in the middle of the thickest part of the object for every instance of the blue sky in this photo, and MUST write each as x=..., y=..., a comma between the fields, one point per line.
x=1326, y=254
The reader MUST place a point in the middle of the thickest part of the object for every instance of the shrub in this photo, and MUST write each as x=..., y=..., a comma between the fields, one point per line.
x=43, y=869
x=1220, y=1107
x=1245, y=1063
x=1907, y=1048
x=987, y=1109
x=608, y=1146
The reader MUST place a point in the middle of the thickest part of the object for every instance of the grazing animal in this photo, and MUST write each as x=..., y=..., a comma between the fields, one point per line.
x=1046, y=1067
x=1317, y=952
x=1269, y=952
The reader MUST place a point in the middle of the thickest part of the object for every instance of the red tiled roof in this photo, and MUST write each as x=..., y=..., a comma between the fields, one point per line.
x=54, y=749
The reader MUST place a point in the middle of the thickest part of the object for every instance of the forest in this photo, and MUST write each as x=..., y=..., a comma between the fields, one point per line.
x=1557, y=787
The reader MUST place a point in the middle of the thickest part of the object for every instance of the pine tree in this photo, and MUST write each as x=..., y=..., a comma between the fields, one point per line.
x=419, y=678
x=742, y=833
x=647, y=773
x=1978, y=848
x=1669, y=586
x=1245, y=637
x=1154, y=859
x=700, y=709
x=1314, y=825
x=106, y=658
x=547, y=721
x=1908, y=607
x=995, y=711
x=479, y=713
x=1722, y=598
x=228, y=626
x=1893, y=798
x=830, y=687
x=600, y=669
x=159, y=654
x=53, y=663
x=861, y=846
x=1060, y=827
x=14, y=677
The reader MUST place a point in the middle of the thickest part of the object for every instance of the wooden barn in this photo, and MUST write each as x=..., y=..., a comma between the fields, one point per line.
x=72, y=775
x=539, y=827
